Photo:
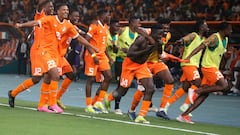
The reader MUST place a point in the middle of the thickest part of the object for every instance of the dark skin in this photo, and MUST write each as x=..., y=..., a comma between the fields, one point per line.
x=139, y=51
x=186, y=84
x=104, y=18
x=203, y=91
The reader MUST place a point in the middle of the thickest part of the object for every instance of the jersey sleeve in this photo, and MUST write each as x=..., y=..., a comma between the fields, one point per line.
x=92, y=30
x=44, y=20
x=72, y=32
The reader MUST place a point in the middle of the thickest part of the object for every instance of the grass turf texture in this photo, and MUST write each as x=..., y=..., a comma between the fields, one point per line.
x=19, y=121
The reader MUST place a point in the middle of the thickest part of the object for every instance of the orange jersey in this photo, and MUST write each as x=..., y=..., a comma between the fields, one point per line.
x=38, y=32
x=67, y=32
x=50, y=24
x=98, y=34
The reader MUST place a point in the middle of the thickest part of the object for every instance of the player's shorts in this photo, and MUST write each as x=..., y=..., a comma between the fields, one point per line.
x=46, y=59
x=64, y=66
x=36, y=62
x=190, y=73
x=157, y=67
x=210, y=76
x=91, y=69
x=130, y=70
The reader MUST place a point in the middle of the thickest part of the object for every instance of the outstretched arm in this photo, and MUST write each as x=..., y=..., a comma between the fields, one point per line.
x=195, y=51
x=27, y=24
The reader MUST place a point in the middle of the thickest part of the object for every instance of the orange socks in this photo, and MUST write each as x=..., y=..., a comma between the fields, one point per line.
x=144, y=108
x=53, y=93
x=136, y=99
x=110, y=97
x=88, y=101
x=44, y=94
x=101, y=95
x=65, y=84
x=167, y=92
x=179, y=93
x=94, y=100
x=23, y=86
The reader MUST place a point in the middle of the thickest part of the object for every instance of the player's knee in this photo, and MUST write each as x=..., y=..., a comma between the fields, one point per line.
x=116, y=94
x=36, y=79
x=70, y=75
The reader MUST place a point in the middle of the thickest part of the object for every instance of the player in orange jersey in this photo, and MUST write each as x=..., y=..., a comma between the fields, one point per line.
x=66, y=68
x=44, y=7
x=55, y=28
x=97, y=62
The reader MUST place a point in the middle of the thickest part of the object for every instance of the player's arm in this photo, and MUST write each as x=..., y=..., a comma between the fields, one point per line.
x=27, y=24
x=146, y=35
x=211, y=42
x=92, y=49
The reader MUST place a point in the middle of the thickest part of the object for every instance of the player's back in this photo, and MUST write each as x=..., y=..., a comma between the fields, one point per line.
x=38, y=32
x=50, y=33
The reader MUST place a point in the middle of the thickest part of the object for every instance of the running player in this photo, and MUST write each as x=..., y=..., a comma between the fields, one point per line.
x=190, y=78
x=134, y=65
x=213, y=80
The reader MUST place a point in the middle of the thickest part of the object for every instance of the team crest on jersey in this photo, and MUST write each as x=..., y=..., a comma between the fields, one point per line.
x=64, y=29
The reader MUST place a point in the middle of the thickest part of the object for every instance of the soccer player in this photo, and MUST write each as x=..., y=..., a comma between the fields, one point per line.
x=126, y=37
x=160, y=70
x=97, y=62
x=44, y=7
x=213, y=80
x=134, y=65
x=190, y=77
x=112, y=50
x=67, y=69
x=55, y=28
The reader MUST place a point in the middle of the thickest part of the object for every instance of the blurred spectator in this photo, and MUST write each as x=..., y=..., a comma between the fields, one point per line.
x=22, y=56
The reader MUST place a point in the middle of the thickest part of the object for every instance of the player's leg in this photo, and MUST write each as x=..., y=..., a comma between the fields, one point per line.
x=22, y=87
x=149, y=90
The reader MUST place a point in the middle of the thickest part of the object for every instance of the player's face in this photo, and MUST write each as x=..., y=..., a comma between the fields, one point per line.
x=205, y=27
x=228, y=31
x=74, y=17
x=49, y=9
x=166, y=27
x=116, y=27
x=63, y=12
x=106, y=17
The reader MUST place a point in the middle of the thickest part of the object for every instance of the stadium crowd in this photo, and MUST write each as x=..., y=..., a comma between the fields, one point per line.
x=179, y=10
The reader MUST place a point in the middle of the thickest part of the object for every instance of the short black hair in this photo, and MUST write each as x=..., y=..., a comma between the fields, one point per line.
x=223, y=25
x=132, y=18
x=59, y=5
x=42, y=4
x=100, y=12
x=161, y=20
x=199, y=23
x=112, y=21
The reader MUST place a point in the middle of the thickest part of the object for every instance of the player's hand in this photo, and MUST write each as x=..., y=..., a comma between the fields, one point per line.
x=18, y=25
x=96, y=61
x=184, y=61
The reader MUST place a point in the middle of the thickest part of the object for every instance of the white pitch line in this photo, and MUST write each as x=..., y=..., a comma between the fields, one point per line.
x=121, y=121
